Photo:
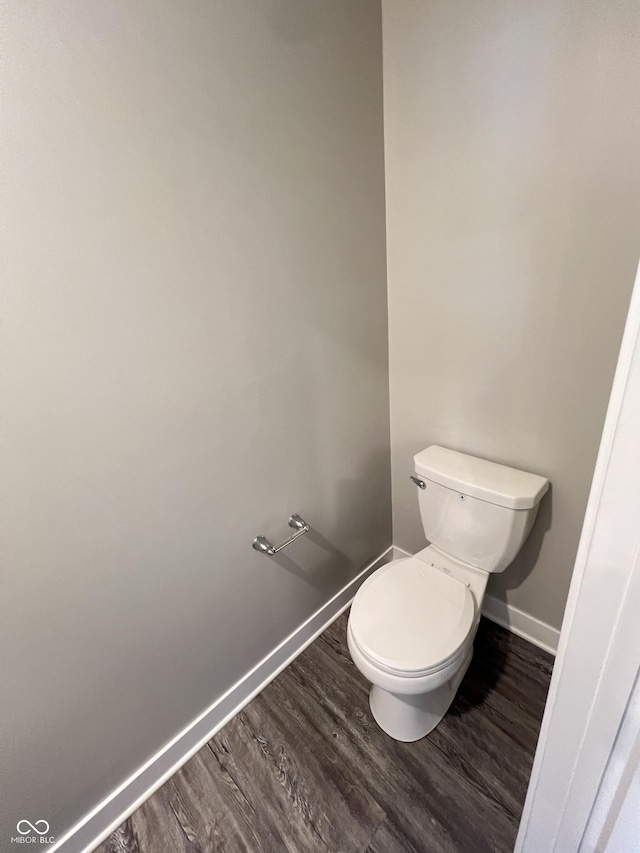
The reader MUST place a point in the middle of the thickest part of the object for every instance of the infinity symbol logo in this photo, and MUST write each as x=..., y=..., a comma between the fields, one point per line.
x=32, y=828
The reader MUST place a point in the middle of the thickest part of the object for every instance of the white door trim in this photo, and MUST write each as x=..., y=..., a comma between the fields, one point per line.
x=599, y=650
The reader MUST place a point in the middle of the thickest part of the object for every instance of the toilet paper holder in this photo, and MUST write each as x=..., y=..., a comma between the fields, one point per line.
x=262, y=544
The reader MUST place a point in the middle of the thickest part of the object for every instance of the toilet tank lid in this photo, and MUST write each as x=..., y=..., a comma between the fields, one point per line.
x=478, y=478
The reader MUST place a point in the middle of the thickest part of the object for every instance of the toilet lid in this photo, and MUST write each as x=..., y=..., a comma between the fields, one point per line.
x=411, y=617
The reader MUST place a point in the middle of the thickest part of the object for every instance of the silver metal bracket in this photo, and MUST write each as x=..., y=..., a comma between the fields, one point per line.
x=262, y=544
x=419, y=483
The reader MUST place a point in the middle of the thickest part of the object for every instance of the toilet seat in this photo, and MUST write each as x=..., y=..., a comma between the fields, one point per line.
x=411, y=619
x=446, y=666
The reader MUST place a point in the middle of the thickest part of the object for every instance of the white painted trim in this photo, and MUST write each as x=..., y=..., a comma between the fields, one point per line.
x=400, y=553
x=512, y=618
x=523, y=624
x=114, y=809
x=599, y=652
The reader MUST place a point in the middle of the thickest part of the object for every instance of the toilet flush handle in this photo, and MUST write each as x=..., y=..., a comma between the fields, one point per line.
x=419, y=483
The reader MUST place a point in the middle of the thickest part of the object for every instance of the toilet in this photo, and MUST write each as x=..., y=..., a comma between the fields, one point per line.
x=412, y=622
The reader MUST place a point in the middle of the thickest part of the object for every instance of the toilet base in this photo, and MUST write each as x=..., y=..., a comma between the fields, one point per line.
x=410, y=717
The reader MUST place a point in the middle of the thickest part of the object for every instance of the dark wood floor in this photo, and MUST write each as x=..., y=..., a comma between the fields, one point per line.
x=305, y=769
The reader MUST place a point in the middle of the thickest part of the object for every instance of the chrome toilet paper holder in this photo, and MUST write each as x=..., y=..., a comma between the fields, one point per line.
x=262, y=544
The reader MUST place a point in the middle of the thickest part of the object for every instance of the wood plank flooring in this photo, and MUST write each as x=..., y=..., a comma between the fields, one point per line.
x=305, y=769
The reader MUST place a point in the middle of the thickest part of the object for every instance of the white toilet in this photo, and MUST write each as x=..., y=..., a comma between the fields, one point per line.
x=412, y=622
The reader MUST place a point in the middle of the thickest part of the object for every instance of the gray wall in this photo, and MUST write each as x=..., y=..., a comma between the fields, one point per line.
x=513, y=211
x=194, y=346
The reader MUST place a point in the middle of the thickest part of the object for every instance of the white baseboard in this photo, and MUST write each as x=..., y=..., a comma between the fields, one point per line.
x=512, y=618
x=523, y=624
x=399, y=553
x=121, y=803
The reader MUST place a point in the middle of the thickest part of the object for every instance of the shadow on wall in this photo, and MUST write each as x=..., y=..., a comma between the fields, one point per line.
x=329, y=563
x=296, y=24
x=526, y=560
x=315, y=558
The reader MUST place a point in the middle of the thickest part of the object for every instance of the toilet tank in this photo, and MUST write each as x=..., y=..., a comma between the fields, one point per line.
x=477, y=511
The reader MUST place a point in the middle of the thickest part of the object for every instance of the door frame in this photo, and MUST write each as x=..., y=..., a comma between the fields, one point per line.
x=599, y=650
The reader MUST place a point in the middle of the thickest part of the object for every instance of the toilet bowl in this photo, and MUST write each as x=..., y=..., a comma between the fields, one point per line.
x=410, y=633
x=412, y=622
